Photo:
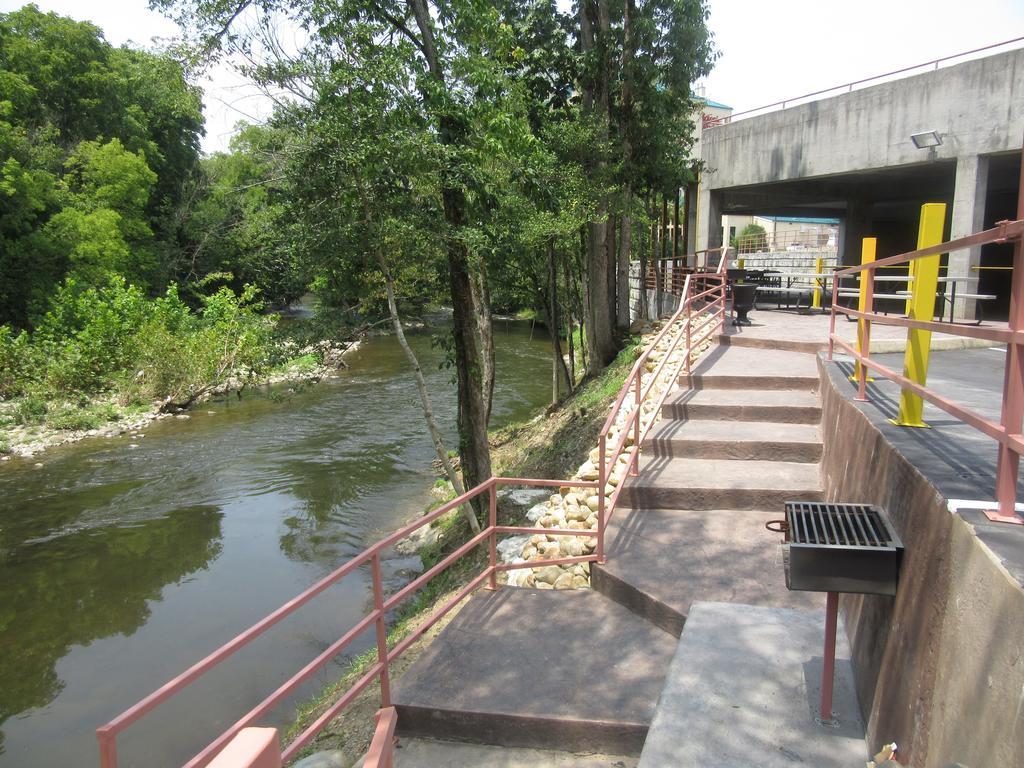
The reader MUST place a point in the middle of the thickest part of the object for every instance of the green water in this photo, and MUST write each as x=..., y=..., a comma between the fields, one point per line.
x=121, y=566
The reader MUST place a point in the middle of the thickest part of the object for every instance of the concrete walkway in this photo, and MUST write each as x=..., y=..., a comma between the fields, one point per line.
x=592, y=669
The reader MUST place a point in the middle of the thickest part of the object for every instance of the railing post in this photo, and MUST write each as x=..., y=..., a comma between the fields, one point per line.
x=865, y=299
x=926, y=282
x=382, y=631
x=634, y=468
x=832, y=319
x=1008, y=460
x=864, y=328
x=108, y=747
x=492, y=518
x=602, y=480
x=819, y=265
x=689, y=337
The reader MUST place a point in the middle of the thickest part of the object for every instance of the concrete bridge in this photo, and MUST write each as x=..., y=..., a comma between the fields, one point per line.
x=853, y=157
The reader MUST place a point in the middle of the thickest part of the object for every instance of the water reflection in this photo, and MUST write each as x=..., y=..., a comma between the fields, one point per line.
x=62, y=594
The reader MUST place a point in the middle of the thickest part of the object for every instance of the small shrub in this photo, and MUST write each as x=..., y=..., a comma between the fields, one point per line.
x=31, y=409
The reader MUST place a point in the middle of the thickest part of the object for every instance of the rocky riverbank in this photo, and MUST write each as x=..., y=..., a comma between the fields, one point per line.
x=309, y=364
x=575, y=508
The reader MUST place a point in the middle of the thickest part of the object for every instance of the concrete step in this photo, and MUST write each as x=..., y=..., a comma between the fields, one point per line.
x=775, y=405
x=743, y=692
x=430, y=753
x=736, y=338
x=674, y=483
x=731, y=367
x=738, y=440
x=721, y=555
x=749, y=380
x=537, y=668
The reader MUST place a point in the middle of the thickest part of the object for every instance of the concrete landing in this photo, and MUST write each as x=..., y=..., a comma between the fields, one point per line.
x=729, y=367
x=536, y=668
x=718, y=555
x=675, y=483
x=737, y=440
x=806, y=332
x=743, y=692
x=427, y=753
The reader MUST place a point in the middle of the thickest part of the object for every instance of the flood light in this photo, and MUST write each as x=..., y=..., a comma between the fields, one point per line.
x=926, y=139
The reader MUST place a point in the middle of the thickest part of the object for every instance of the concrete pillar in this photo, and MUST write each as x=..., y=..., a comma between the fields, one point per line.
x=709, y=218
x=690, y=214
x=968, y=218
x=853, y=228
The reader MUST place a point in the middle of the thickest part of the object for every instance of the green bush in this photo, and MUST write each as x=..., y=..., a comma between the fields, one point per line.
x=182, y=355
x=31, y=409
x=90, y=334
x=17, y=362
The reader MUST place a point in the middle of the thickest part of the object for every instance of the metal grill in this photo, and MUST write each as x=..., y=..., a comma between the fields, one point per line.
x=839, y=525
x=840, y=548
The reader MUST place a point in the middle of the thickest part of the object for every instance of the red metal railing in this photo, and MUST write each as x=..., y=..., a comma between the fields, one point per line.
x=669, y=274
x=380, y=752
x=711, y=295
x=848, y=87
x=1007, y=432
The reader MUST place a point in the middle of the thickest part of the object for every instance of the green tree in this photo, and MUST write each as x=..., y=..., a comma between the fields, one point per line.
x=75, y=114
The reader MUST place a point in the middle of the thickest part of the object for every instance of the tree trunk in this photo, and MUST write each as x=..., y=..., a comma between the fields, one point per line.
x=625, y=245
x=472, y=408
x=428, y=408
x=644, y=309
x=612, y=258
x=570, y=331
x=675, y=227
x=485, y=330
x=626, y=128
x=595, y=27
x=581, y=300
x=557, y=361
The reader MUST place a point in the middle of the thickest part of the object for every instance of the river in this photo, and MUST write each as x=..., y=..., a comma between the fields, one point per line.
x=120, y=566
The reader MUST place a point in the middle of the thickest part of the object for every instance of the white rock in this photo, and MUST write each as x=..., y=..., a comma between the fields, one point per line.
x=537, y=511
x=511, y=547
x=332, y=759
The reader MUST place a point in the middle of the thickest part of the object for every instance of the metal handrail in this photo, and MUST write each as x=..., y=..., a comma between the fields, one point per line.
x=634, y=381
x=107, y=734
x=1007, y=431
x=849, y=86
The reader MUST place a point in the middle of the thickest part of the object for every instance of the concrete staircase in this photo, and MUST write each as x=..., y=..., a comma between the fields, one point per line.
x=586, y=670
x=751, y=416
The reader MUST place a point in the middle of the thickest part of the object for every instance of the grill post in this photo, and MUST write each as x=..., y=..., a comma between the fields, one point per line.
x=828, y=673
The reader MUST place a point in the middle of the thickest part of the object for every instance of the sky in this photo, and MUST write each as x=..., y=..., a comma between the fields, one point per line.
x=770, y=49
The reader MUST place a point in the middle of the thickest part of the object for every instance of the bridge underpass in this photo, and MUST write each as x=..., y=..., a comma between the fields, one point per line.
x=851, y=157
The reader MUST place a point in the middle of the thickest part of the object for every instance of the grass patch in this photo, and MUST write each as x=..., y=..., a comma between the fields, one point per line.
x=307, y=363
x=70, y=417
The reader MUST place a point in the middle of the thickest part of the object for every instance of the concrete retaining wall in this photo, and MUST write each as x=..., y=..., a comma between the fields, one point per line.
x=940, y=667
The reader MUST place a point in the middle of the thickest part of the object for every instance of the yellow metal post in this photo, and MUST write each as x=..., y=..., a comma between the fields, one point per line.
x=922, y=307
x=740, y=263
x=868, y=248
x=819, y=265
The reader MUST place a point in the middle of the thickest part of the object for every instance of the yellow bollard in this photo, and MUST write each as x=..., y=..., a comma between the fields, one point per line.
x=819, y=266
x=922, y=307
x=868, y=248
x=740, y=262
